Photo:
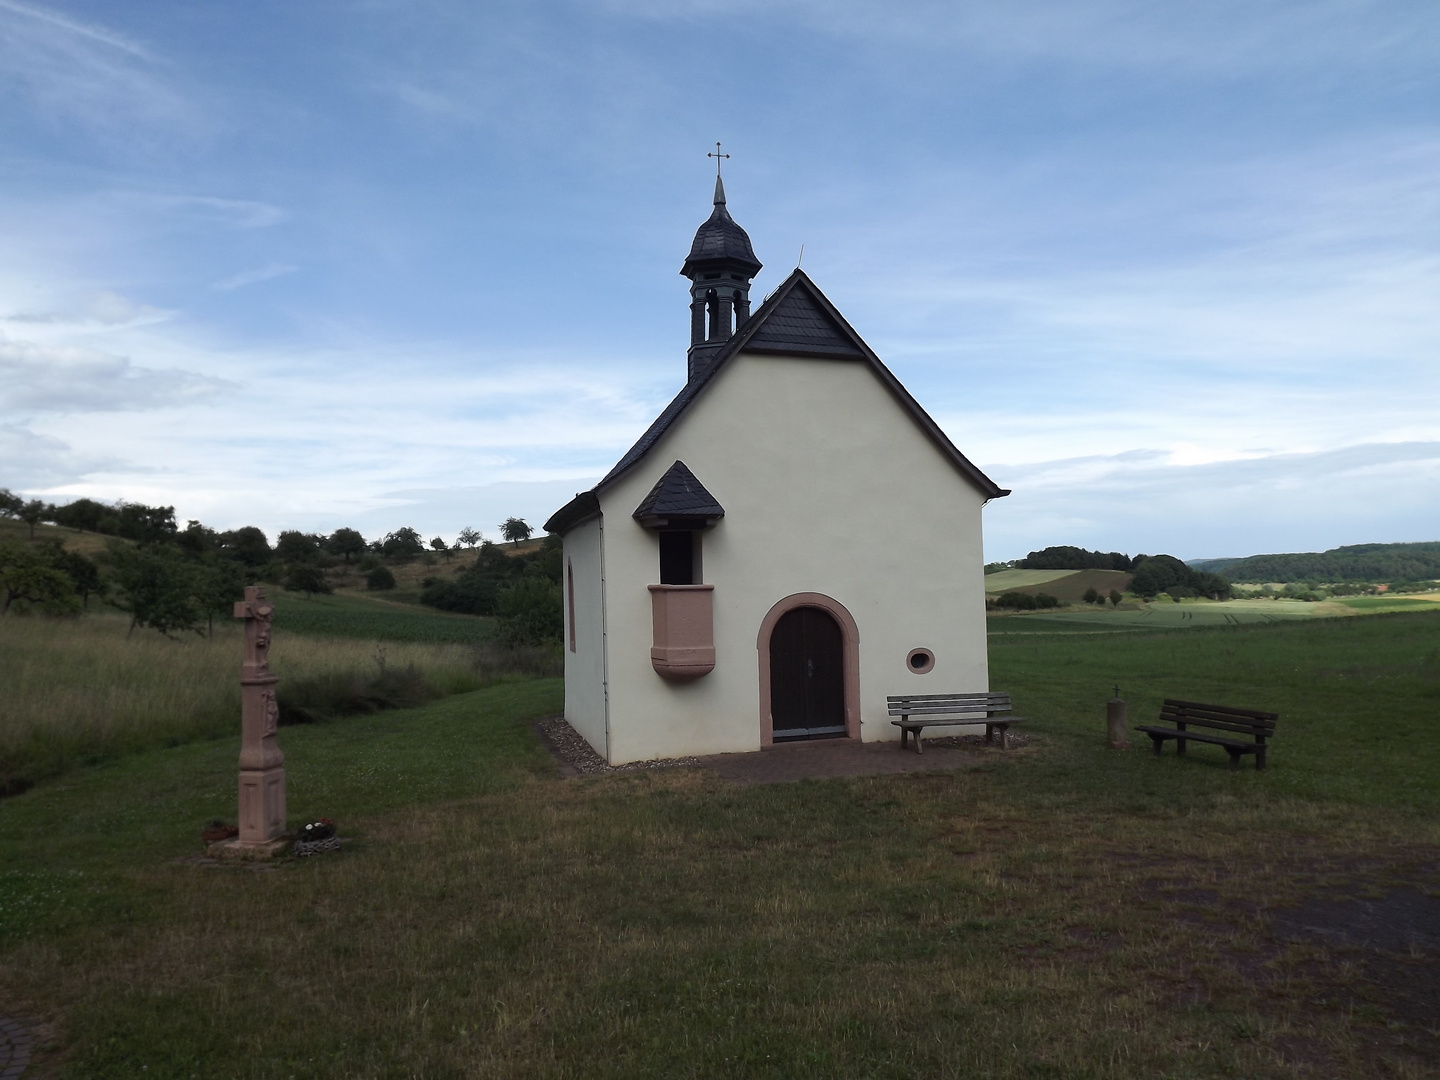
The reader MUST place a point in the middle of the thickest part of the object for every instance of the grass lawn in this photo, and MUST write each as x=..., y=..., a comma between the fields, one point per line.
x=1060, y=911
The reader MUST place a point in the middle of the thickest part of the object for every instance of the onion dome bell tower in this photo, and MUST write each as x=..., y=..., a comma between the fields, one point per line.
x=720, y=266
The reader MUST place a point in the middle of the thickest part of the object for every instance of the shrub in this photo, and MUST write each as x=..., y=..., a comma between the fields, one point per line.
x=310, y=579
x=380, y=578
x=530, y=613
x=470, y=594
x=1091, y=595
x=336, y=694
x=1017, y=601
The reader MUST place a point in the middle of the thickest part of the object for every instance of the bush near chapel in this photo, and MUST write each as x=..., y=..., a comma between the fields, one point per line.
x=1019, y=601
x=380, y=578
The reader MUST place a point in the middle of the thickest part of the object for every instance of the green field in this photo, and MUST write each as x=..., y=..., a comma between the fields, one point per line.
x=352, y=616
x=1059, y=910
x=1166, y=615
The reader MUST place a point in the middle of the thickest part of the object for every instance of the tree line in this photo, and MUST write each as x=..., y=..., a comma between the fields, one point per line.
x=1384, y=563
x=174, y=579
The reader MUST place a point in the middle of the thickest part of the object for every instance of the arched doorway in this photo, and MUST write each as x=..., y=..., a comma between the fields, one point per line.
x=809, y=662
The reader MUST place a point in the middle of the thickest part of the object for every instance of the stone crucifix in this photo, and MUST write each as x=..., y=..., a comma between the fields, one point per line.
x=262, y=772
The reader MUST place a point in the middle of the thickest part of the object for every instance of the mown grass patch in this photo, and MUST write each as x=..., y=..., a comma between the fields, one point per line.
x=1066, y=911
x=1166, y=614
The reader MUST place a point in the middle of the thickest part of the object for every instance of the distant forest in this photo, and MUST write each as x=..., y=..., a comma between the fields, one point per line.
x=1358, y=562
x=1153, y=574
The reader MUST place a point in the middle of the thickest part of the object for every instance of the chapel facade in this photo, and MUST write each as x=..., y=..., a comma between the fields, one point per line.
x=791, y=541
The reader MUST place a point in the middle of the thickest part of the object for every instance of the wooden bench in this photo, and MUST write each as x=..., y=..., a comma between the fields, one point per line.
x=1187, y=715
x=919, y=711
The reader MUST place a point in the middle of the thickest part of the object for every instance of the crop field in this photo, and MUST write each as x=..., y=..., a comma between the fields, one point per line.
x=1168, y=615
x=1068, y=585
x=1058, y=910
x=1375, y=604
x=374, y=619
x=1010, y=580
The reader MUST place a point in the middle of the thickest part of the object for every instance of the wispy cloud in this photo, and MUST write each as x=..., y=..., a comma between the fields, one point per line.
x=1252, y=503
x=207, y=210
x=1183, y=39
x=47, y=378
x=251, y=277
x=83, y=71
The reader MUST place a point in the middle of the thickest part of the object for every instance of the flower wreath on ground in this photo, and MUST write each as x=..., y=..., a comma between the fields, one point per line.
x=315, y=838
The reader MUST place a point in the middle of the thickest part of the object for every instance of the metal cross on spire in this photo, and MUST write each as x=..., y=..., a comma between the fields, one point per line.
x=717, y=156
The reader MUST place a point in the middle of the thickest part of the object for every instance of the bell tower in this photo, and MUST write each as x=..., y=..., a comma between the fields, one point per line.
x=720, y=266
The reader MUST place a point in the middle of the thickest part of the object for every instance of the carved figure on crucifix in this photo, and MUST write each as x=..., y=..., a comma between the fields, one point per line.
x=262, y=775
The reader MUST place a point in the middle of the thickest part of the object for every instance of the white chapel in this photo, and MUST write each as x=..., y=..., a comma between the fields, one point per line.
x=793, y=539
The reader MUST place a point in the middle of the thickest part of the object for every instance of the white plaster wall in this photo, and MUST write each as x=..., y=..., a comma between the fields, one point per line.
x=585, y=667
x=828, y=486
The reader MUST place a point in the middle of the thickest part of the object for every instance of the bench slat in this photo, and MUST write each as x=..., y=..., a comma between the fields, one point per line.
x=994, y=721
x=1218, y=725
x=1191, y=736
x=1218, y=714
x=974, y=700
x=1201, y=706
x=967, y=709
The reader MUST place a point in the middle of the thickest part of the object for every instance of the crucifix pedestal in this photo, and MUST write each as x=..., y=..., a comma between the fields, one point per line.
x=262, y=772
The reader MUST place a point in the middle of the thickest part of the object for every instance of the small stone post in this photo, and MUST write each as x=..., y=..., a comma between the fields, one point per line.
x=262, y=773
x=1119, y=737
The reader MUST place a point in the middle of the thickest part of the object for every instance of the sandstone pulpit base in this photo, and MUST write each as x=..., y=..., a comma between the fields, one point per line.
x=262, y=804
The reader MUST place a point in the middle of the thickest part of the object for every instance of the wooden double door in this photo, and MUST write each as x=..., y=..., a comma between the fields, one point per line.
x=807, y=676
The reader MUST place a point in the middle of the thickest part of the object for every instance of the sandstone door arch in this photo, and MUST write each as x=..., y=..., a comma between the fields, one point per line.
x=809, y=653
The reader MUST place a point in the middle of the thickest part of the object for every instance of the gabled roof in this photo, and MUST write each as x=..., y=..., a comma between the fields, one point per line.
x=797, y=319
x=677, y=494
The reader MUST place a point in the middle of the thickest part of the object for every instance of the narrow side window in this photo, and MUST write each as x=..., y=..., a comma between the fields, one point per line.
x=570, y=599
x=677, y=557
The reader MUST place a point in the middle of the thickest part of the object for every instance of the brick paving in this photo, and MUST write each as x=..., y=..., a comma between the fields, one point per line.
x=835, y=757
x=15, y=1044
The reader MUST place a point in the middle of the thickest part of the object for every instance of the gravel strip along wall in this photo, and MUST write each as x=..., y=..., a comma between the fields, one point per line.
x=14, y=1048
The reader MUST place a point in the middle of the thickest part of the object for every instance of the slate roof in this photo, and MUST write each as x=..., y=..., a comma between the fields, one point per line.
x=800, y=327
x=720, y=239
x=678, y=494
x=802, y=314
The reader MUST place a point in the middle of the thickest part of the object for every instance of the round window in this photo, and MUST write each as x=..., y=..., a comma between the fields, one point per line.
x=920, y=661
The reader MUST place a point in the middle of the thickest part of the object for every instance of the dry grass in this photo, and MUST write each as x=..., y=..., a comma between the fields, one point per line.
x=78, y=690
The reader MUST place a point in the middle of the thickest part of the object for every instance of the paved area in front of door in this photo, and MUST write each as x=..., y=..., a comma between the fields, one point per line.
x=834, y=757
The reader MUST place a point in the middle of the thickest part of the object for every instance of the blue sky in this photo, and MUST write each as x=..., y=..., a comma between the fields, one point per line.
x=1171, y=272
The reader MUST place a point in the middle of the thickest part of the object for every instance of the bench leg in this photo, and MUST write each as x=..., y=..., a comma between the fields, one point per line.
x=1180, y=747
x=1234, y=759
x=1260, y=758
x=903, y=736
x=918, y=748
x=1005, y=737
x=1156, y=743
x=989, y=734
